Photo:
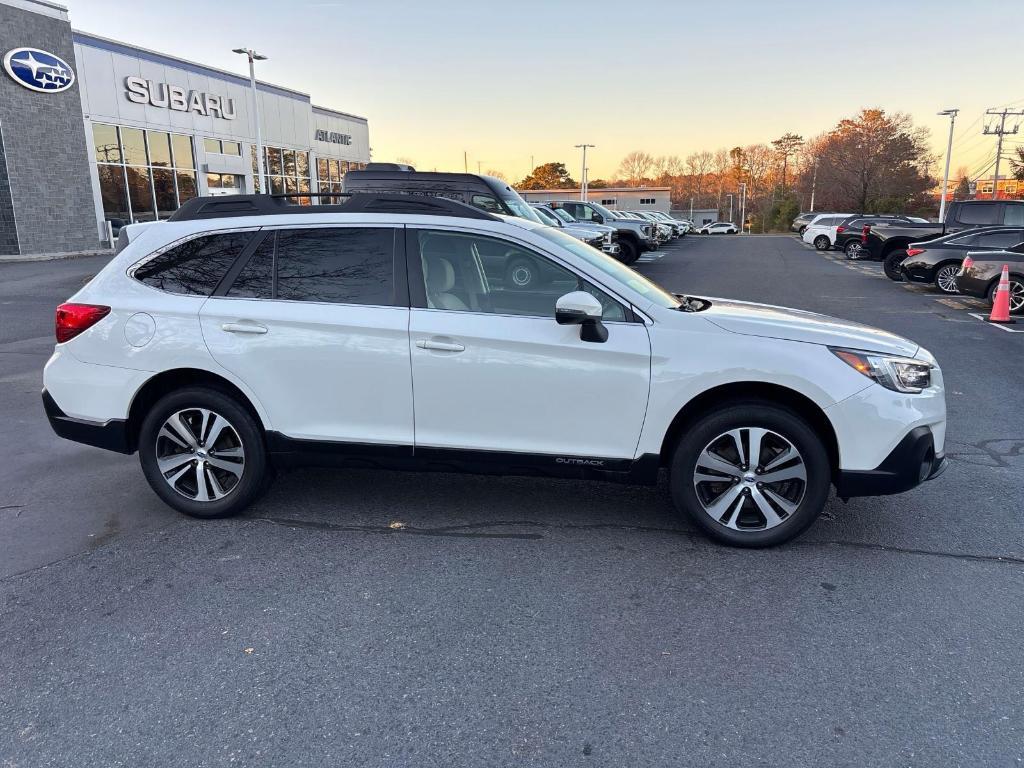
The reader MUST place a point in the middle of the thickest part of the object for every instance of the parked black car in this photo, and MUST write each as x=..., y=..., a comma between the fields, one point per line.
x=981, y=271
x=884, y=239
x=938, y=261
x=851, y=230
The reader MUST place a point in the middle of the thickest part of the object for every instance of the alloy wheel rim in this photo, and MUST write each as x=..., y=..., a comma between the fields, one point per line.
x=947, y=279
x=200, y=455
x=1016, y=296
x=853, y=250
x=750, y=479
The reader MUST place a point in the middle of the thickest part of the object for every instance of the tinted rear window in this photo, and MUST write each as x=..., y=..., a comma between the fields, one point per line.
x=196, y=267
x=1013, y=215
x=978, y=213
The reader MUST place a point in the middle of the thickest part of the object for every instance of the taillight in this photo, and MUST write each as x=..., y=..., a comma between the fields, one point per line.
x=840, y=229
x=968, y=263
x=864, y=233
x=914, y=251
x=72, y=319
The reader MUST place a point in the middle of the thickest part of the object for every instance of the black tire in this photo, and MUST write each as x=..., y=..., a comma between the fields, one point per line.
x=891, y=264
x=522, y=274
x=255, y=476
x=941, y=278
x=628, y=252
x=778, y=419
x=801, y=231
x=855, y=250
x=822, y=243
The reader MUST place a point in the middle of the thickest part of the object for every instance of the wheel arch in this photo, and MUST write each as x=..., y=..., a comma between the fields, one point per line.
x=752, y=391
x=895, y=244
x=168, y=381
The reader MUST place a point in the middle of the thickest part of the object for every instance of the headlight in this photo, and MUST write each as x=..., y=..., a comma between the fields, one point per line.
x=900, y=374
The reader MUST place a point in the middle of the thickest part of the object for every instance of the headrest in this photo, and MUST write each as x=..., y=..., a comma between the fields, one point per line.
x=440, y=274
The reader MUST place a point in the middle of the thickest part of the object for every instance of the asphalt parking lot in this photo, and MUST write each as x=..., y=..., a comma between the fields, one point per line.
x=387, y=619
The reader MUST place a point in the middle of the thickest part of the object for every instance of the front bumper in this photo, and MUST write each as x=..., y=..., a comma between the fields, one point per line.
x=111, y=435
x=912, y=462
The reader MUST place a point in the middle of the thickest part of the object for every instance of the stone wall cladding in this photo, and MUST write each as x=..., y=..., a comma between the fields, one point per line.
x=47, y=164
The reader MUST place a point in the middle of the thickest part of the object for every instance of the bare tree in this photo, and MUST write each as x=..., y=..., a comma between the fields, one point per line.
x=635, y=168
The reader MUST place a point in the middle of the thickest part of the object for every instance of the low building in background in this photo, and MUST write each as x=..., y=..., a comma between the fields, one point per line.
x=616, y=198
x=95, y=131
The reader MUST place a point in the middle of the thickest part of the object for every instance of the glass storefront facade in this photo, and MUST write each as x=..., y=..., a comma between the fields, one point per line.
x=143, y=175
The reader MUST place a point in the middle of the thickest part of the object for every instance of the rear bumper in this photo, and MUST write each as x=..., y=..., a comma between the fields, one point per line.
x=111, y=435
x=912, y=462
x=972, y=286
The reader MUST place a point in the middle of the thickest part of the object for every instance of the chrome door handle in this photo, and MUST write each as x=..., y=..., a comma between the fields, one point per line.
x=441, y=346
x=243, y=328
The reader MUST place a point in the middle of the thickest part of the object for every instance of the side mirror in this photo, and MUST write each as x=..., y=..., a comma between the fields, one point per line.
x=582, y=309
x=597, y=217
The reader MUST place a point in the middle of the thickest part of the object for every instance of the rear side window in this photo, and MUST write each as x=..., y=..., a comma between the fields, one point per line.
x=194, y=268
x=343, y=265
x=1000, y=239
x=978, y=213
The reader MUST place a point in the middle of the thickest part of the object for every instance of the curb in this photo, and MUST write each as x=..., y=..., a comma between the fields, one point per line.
x=14, y=259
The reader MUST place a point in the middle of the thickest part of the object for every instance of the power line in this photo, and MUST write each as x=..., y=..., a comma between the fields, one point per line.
x=999, y=133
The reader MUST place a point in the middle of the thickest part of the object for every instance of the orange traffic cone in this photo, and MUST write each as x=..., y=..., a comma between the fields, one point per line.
x=1001, y=303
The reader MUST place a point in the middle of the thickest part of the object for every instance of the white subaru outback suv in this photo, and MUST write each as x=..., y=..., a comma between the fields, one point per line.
x=248, y=333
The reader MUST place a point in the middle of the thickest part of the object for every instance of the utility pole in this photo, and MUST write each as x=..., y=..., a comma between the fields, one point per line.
x=465, y=162
x=1000, y=132
x=478, y=164
x=691, y=210
x=814, y=183
x=952, y=113
x=743, y=205
x=730, y=206
x=583, y=178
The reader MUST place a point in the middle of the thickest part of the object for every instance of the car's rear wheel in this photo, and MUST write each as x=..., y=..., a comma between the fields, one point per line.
x=203, y=453
x=891, y=265
x=1016, y=294
x=752, y=474
x=628, y=252
x=855, y=250
x=822, y=243
x=945, y=278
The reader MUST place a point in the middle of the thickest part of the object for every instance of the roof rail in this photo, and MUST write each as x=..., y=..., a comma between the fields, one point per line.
x=232, y=206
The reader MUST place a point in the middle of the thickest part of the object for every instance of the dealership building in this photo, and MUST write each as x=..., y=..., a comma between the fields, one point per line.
x=616, y=198
x=96, y=132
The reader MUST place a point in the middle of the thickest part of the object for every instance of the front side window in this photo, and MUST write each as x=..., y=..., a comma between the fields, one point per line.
x=344, y=265
x=474, y=273
x=487, y=203
x=195, y=267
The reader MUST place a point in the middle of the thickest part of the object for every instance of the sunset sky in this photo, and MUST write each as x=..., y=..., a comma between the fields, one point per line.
x=508, y=81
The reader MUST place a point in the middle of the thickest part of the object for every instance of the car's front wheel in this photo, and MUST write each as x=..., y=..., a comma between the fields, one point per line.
x=822, y=243
x=628, y=252
x=752, y=474
x=203, y=453
x=891, y=265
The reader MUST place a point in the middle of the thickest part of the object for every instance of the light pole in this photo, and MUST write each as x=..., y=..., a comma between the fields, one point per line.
x=814, y=183
x=730, y=207
x=949, y=150
x=253, y=56
x=583, y=177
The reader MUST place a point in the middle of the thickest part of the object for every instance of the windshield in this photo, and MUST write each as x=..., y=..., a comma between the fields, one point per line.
x=603, y=211
x=521, y=208
x=546, y=216
x=616, y=270
x=563, y=215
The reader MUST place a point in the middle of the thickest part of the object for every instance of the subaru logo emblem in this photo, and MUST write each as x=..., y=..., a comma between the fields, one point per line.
x=38, y=70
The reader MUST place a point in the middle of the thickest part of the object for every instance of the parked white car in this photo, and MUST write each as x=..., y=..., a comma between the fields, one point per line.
x=248, y=333
x=821, y=232
x=719, y=228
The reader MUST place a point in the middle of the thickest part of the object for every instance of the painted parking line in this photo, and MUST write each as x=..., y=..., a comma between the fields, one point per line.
x=1017, y=328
